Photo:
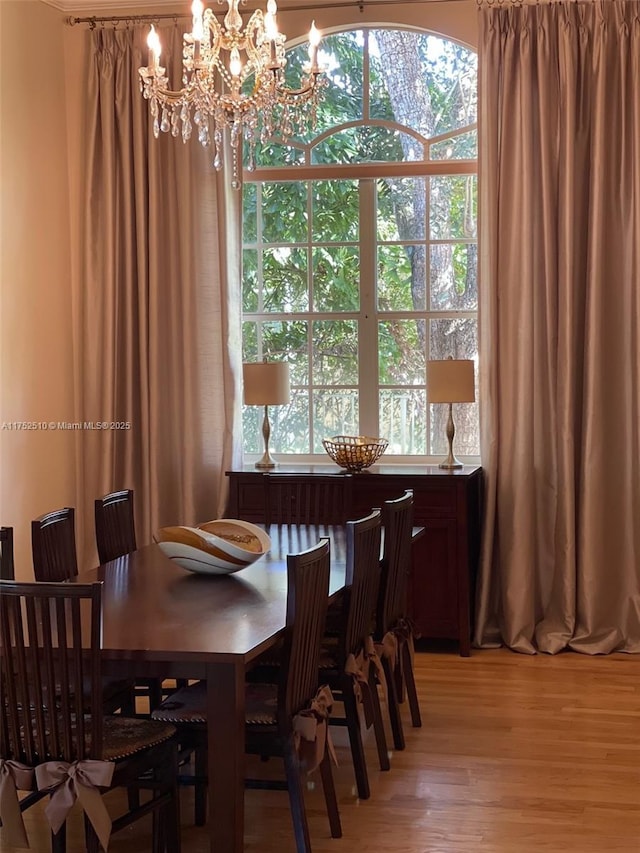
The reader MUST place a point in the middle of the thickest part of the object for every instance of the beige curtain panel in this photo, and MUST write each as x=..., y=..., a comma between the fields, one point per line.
x=560, y=326
x=159, y=314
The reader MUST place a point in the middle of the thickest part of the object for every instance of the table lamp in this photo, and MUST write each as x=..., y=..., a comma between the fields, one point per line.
x=450, y=381
x=266, y=384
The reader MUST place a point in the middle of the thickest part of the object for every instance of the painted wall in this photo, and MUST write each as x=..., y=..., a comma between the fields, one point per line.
x=37, y=467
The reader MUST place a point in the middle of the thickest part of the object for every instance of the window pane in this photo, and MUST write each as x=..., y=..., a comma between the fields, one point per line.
x=403, y=420
x=458, y=338
x=287, y=341
x=453, y=211
x=341, y=55
x=252, y=429
x=454, y=277
x=401, y=352
x=249, y=213
x=364, y=145
x=290, y=428
x=462, y=147
x=250, y=280
x=336, y=278
x=401, y=278
x=284, y=212
x=249, y=341
x=285, y=280
x=335, y=211
x=402, y=209
x=272, y=153
x=437, y=89
x=335, y=352
x=335, y=412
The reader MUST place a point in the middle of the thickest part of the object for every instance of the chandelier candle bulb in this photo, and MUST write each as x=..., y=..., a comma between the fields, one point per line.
x=197, y=30
x=153, y=43
x=314, y=40
x=235, y=63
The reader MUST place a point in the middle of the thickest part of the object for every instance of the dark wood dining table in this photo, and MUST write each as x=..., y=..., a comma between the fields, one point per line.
x=160, y=620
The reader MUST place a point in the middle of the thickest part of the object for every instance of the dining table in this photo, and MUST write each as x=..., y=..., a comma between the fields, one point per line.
x=160, y=620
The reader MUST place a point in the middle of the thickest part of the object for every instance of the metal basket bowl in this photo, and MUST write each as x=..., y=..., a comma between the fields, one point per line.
x=355, y=452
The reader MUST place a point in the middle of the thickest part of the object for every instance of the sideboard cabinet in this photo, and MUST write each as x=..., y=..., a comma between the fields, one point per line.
x=445, y=558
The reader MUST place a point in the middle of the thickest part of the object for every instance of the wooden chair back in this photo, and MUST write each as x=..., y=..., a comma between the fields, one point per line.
x=307, y=598
x=7, y=571
x=397, y=520
x=293, y=499
x=51, y=704
x=115, y=525
x=362, y=582
x=53, y=544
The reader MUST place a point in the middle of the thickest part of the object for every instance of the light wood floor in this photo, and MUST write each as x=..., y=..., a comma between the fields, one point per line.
x=516, y=754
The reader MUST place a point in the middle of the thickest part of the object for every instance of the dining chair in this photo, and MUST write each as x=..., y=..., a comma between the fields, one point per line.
x=115, y=525
x=52, y=742
x=294, y=499
x=393, y=631
x=115, y=537
x=346, y=659
x=7, y=571
x=276, y=714
x=53, y=544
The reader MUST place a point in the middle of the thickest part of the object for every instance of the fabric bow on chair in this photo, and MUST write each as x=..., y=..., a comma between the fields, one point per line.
x=79, y=780
x=311, y=731
x=358, y=669
x=14, y=777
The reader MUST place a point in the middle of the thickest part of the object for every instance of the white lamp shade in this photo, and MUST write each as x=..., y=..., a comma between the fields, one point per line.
x=450, y=381
x=266, y=383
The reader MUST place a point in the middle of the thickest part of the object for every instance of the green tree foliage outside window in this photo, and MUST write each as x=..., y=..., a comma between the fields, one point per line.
x=358, y=280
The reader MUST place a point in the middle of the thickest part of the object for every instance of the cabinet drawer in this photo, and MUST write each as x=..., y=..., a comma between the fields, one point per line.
x=430, y=499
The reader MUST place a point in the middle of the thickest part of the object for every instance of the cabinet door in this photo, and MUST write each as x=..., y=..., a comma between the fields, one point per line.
x=433, y=585
x=246, y=498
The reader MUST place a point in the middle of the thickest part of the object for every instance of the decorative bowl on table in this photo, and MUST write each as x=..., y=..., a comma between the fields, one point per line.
x=355, y=452
x=218, y=547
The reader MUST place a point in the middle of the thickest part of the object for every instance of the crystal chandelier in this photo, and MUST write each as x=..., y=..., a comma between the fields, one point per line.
x=233, y=78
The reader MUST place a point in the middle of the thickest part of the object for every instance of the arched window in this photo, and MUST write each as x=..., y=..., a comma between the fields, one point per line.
x=359, y=246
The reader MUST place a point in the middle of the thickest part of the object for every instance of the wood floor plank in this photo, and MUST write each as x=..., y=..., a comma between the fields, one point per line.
x=517, y=754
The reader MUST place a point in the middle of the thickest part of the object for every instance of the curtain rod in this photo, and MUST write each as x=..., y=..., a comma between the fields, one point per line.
x=175, y=16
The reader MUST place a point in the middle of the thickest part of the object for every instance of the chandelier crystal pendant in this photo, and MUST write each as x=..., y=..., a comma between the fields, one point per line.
x=233, y=79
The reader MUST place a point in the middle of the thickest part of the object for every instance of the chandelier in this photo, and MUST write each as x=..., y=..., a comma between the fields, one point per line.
x=232, y=79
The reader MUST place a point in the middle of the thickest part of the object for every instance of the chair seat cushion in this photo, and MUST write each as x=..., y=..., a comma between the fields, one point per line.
x=189, y=705
x=125, y=736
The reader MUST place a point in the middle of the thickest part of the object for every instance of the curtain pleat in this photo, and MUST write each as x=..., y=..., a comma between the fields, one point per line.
x=559, y=326
x=160, y=319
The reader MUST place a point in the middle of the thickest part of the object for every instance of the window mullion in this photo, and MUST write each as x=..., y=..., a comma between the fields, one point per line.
x=368, y=335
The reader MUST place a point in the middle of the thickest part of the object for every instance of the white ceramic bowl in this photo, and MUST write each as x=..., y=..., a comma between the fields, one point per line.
x=218, y=547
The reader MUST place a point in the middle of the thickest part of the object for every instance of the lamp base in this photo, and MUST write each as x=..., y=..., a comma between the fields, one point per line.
x=450, y=464
x=266, y=463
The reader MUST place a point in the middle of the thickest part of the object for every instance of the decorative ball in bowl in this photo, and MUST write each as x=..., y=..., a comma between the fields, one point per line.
x=218, y=547
x=355, y=452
